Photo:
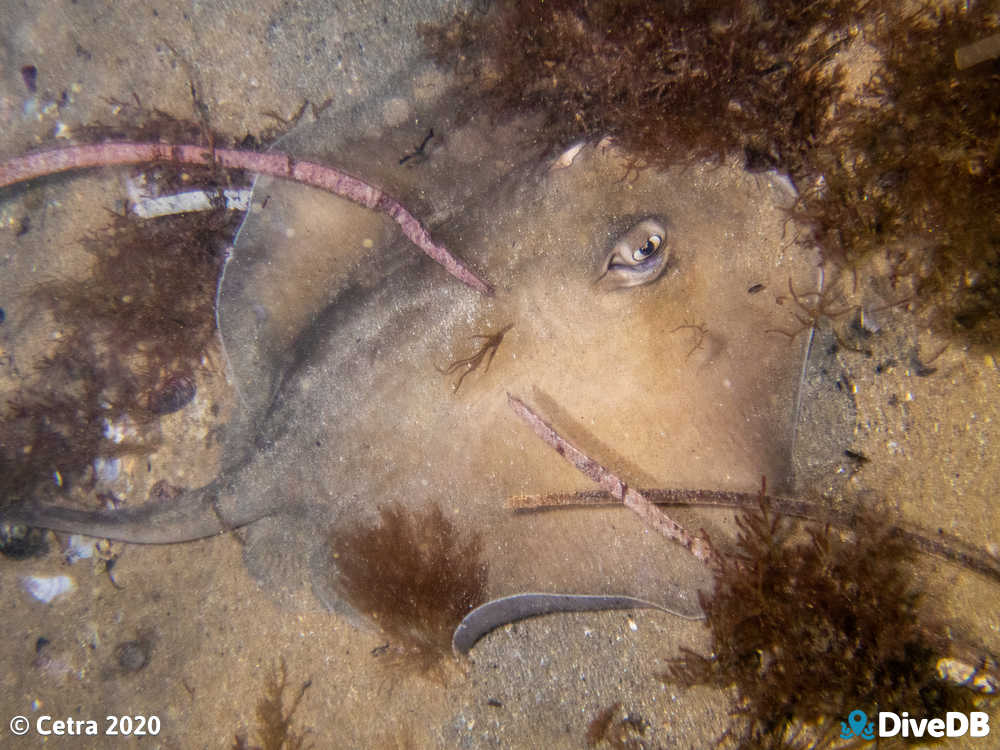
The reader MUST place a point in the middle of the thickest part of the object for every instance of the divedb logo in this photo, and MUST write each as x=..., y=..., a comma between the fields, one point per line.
x=954, y=724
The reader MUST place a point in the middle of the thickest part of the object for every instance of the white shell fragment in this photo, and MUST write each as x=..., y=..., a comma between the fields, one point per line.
x=47, y=588
x=107, y=469
x=567, y=156
x=962, y=673
x=78, y=548
x=192, y=200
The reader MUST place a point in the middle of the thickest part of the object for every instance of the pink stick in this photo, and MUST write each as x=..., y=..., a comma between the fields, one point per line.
x=275, y=164
x=632, y=499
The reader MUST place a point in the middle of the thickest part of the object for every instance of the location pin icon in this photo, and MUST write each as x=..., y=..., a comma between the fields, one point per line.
x=857, y=720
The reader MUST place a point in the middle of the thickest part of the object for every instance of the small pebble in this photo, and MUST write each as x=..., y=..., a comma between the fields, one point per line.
x=22, y=542
x=29, y=74
x=133, y=655
x=173, y=395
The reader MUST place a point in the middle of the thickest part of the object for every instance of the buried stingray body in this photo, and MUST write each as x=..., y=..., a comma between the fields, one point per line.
x=346, y=408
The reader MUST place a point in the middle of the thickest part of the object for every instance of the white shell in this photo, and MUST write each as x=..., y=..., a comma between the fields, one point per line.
x=47, y=588
x=567, y=157
x=107, y=469
x=78, y=548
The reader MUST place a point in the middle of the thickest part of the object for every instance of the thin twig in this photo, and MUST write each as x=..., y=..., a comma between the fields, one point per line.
x=977, y=52
x=632, y=499
x=945, y=546
x=278, y=165
x=669, y=496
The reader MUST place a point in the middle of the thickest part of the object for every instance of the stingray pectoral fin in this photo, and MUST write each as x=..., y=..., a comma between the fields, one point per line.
x=194, y=514
x=508, y=609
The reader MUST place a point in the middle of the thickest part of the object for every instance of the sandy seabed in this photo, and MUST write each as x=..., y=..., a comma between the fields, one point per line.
x=209, y=633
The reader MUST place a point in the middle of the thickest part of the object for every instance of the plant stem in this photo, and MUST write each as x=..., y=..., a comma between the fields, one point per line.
x=945, y=546
x=632, y=499
x=278, y=165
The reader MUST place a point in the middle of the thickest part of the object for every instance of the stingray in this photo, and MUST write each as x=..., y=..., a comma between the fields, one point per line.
x=626, y=301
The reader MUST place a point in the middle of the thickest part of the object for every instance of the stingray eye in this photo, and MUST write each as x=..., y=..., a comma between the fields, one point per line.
x=651, y=245
x=638, y=257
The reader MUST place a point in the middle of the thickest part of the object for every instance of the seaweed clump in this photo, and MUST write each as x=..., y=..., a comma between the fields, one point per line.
x=913, y=171
x=611, y=728
x=652, y=75
x=907, y=166
x=415, y=575
x=274, y=722
x=130, y=338
x=52, y=431
x=808, y=632
x=148, y=308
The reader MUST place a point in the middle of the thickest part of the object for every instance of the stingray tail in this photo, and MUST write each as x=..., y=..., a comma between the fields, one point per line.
x=508, y=609
x=195, y=514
